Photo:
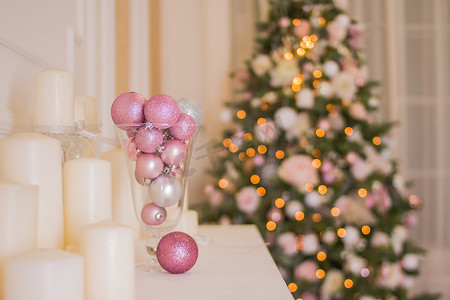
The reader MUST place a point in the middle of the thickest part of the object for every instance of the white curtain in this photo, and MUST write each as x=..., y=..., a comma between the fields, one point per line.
x=407, y=47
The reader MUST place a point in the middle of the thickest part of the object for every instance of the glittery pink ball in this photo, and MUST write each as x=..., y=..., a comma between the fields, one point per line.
x=147, y=140
x=162, y=111
x=148, y=166
x=152, y=214
x=128, y=108
x=177, y=252
x=174, y=152
x=184, y=128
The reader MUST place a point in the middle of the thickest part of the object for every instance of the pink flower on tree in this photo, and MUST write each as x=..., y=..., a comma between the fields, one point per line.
x=306, y=271
x=298, y=171
x=303, y=29
x=247, y=200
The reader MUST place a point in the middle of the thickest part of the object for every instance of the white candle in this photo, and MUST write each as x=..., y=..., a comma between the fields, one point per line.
x=46, y=274
x=18, y=220
x=53, y=98
x=32, y=158
x=87, y=196
x=108, y=251
x=90, y=105
x=122, y=199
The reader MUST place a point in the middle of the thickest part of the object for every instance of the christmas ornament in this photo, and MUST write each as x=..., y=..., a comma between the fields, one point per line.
x=174, y=152
x=286, y=117
x=162, y=111
x=128, y=108
x=192, y=108
x=148, y=166
x=165, y=190
x=147, y=140
x=184, y=127
x=177, y=252
x=152, y=214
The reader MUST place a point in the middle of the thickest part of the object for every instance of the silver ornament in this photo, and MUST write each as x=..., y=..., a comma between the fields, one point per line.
x=192, y=108
x=165, y=190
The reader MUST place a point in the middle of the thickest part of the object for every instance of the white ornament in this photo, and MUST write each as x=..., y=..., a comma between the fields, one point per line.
x=286, y=117
x=261, y=64
x=310, y=244
x=331, y=68
x=329, y=237
x=344, y=86
x=165, y=190
x=283, y=73
x=191, y=107
x=343, y=20
x=410, y=262
x=304, y=98
x=351, y=237
x=292, y=207
x=266, y=132
x=314, y=199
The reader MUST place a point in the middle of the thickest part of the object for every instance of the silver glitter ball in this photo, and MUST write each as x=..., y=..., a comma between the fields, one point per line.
x=191, y=108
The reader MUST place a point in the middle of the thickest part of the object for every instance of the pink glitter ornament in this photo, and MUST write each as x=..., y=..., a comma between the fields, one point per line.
x=148, y=166
x=147, y=140
x=128, y=108
x=152, y=214
x=174, y=152
x=184, y=128
x=162, y=111
x=177, y=252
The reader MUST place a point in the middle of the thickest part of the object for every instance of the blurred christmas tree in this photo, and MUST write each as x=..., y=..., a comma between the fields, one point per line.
x=309, y=164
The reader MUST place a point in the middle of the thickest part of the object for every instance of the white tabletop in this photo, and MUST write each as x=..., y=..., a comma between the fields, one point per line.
x=235, y=265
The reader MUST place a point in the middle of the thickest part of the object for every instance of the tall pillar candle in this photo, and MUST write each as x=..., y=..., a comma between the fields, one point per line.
x=108, y=251
x=87, y=196
x=53, y=99
x=122, y=199
x=18, y=220
x=45, y=274
x=32, y=158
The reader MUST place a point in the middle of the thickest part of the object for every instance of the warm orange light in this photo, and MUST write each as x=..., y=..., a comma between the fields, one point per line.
x=335, y=212
x=306, y=38
x=299, y=215
x=271, y=225
x=304, y=143
x=322, y=22
x=348, y=130
x=348, y=283
x=250, y=152
x=279, y=202
x=316, y=84
x=255, y=179
x=260, y=191
x=320, y=132
x=362, y=192
x=316, y=153
x=296, y=88
x=261, y=121
x=321, y=256
x=241, y=114
x=288, y=56
x=320, y=274
x=313, y=37
x=248, y=136
x=234, y=148
x=264, y=106
x=316, y=163
x=322, y=189
x=317, y=73
x=227, y=142
x=365, y=229
x=292, y=287
x=341, y=232
x=262, y=149
x=301, y=51
x=316, y=217
x=297, y=80
x=309, y=187
x=241, y=156
x=296, y=22
x=279, y=154
x=376, y=141
x=330, y=107
x=223, y=183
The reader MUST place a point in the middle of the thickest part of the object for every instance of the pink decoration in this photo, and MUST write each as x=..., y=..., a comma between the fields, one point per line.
x=148, y=166
x=162, y=111
x=131, y=149
x=302, y=29
x=285, y=22
x=184, y=127
x=177, y=252
x=152, y=214
x=128, y=108
x=247, y=200
x=174, y=152
x=298, y=171
x=147, y=140
x=306, y=271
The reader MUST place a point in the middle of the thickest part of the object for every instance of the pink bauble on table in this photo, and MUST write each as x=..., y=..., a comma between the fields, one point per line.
x=162, y=111
x=148, y=166
x=177, y=252
x=174, y=152
x=184, y=128
x=128, y=108
x=147, y=140
x=152, y=214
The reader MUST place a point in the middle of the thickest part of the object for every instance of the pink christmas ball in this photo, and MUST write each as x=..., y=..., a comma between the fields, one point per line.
x=152, y=214
x=184, y=128
x=147, y=140
x=131, y=150
x=174, y=152
x=148, y=166
x=128, y=108
x=162, y=111
x=177, y=252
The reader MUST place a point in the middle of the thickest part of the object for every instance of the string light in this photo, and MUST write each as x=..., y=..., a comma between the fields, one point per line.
x=320, y=132
x=279, y=202
x=348, y=283
x=296, y=22
x=322, y=189
x=233, y=148
x=248, y=136
x=316, y=217
x=365, y=229
x=362, y=192
x=301, y=51
x=255, y=179
x=223, y=183
x=313, y=37
x=335, y=212
x=299, y=215
x=309, y=187
x=296, y=88
x=321, y=256
x=320, y=274
x=376, y=141
x=250, y=152
x=260, y=191
x=264, y=106
x=297, y=80
x=304, y=143
x=317, y=74
x=322, y=22
x=241, y=114
x=241, y=156
x=316, y=84
x=341, y=232
x=279, y=154
x=292, y=287
x=348, y=131
x=288, y=56
x=364, y=272
x=271, y=225
x=316, y=153
x=262, y=149
x=316, y=163
x=330, y=107
x=261, y=121
x=227, y=142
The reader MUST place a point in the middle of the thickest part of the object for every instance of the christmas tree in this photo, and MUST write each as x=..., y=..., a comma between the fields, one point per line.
x=309, y=163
